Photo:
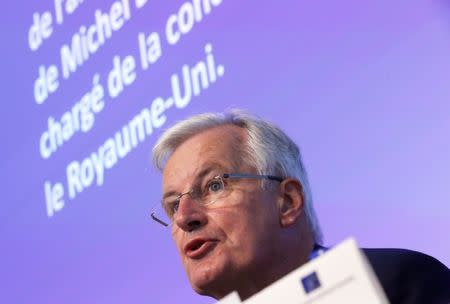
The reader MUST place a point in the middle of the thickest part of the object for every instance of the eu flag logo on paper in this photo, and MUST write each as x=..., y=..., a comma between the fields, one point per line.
x=310, y=282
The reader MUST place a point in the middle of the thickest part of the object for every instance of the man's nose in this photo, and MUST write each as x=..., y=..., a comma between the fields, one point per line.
x=191, y=215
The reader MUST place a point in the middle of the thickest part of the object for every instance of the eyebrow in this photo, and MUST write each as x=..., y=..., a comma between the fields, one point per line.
x=207, y=170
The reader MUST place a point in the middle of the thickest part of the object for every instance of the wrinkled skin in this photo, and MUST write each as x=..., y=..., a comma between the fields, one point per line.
x=244, y=233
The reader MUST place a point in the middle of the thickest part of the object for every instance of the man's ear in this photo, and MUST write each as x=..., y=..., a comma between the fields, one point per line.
x=290, y=204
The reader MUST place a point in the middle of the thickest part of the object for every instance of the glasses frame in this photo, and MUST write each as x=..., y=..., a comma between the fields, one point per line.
x=224, y=176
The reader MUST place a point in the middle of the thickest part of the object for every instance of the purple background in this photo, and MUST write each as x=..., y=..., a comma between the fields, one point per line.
x=362, y=87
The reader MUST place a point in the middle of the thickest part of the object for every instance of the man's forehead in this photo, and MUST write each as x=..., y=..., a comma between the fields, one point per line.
x=214, y=149
x=224, y=143
x=210, y=168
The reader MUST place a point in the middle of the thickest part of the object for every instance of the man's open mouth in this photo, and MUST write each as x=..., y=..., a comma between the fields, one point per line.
x=198, y=248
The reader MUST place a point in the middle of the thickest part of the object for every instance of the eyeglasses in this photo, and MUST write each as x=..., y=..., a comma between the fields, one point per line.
x=205, y=194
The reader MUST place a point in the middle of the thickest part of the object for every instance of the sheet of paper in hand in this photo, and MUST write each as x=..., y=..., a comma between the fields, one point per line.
x=232, y=298
x=340, y=275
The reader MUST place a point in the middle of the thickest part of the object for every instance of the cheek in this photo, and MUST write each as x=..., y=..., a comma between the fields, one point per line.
x=256, y=222
x=246, y=229
x=177, y=239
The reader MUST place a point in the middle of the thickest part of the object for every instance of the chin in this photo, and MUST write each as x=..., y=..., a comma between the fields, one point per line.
x=208, y=280
x=213, y=289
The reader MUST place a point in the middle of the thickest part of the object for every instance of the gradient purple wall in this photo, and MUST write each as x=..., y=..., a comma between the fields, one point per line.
x=363, y=88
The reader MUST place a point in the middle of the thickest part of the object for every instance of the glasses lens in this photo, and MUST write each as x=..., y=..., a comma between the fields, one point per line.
x=214, y=190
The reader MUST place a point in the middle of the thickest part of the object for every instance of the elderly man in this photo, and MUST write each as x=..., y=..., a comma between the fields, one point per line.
x=237, y=199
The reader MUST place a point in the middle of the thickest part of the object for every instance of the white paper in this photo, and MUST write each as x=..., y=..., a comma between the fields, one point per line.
x=340, y=275
x=232, y=298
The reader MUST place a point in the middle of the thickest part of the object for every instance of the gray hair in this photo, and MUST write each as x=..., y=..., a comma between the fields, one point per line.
x=268, y=149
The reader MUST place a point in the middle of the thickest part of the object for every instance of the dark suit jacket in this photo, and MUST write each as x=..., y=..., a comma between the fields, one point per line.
x=410, y=277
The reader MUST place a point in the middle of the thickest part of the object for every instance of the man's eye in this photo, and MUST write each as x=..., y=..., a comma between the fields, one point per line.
x=215, y=186
x=171, y=207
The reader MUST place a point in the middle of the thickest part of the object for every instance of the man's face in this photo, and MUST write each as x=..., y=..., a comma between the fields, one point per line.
x=224, y=245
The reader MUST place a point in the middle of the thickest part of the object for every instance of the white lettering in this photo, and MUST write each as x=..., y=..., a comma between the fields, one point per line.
x=122, y=74
x=40, y=30
x=46, y=83
x=149, y=49
x=83, y=44
x=73, y=179
x=53, y=197
x=69, y=8
x=80, y=118
x=189, y=13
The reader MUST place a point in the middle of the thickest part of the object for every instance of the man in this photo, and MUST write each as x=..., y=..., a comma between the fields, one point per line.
x=237, y=199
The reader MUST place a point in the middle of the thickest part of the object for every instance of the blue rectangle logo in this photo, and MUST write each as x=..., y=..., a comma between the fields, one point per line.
x=310, y=282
